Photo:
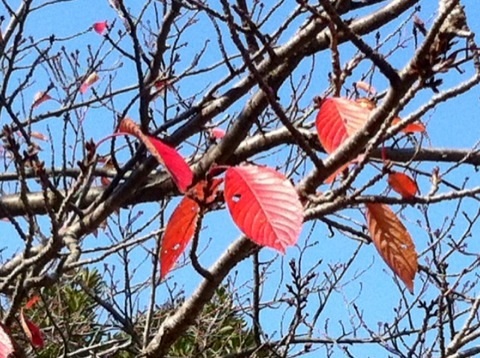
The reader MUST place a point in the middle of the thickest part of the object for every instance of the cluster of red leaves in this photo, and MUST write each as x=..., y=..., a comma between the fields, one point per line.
x=8, y=347
x=337, y=120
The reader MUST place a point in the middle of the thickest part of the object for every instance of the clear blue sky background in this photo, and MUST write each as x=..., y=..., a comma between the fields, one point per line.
x=454, y=125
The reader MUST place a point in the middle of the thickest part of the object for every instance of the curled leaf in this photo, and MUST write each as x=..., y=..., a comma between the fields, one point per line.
x=32, y=331
x=264, y=205
x=39, y=98
x=100, y=27
x=393, y=242
x=178, y=169
x=402, y=184
x=90, y=80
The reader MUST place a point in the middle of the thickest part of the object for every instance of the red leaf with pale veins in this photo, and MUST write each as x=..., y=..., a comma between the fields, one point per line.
x=337, y=119
x=393, y=242
x=32, y=331
x=264, y=205
x=176, y=166
x=7, y=346
x=178, y=233
x=402, y=184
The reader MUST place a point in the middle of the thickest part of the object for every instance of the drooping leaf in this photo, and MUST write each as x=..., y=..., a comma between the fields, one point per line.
x=32, y=331
x=264, y=205
x=39, y=98
x=7, y=346
x=393, y=242
x=402, y=184
x=337, y=119
x=90, y=80
x=179, y=170
x=178, y=233
x=100, y=27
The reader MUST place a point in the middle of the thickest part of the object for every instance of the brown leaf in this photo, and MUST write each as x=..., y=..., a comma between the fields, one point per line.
x=393, y=242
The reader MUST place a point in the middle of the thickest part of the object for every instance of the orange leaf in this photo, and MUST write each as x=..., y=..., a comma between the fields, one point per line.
x=32, y=331
x=415, y=127
x=176, y=166
x=393, y=242
x=178, y=233
x=90, y=80
x=32, y=302
x=264, y=204
x=402, y=184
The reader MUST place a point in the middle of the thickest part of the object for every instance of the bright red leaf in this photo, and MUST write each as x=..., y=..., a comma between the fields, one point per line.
x=32, y=302
x=100, y=27
x=393, y=242
x=179, y=170
x=32, y=331
x=178, y=233
x=90, y=80
x=337, y=119
x=7, y=346
x=402, y=184
x=264, y=205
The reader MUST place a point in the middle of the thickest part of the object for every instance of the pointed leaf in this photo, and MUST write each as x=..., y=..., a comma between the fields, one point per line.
x=179, y=170
x=264, y=205
x=393, y=242
x=90, y=80
x=415, y=127
x=39, y=98
x=337, y=119
x=178, y=233
x=32, y=331
x=402, y=184
x=7, y=346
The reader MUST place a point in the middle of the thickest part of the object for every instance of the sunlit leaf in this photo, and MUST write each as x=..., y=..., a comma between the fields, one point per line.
x=39, y=98
x=178, y=233
x=90, y=80
x=7, y=346
x=402, y=184
x=32, y=331
x=393, y=242
x=100, y=27
x=179, y=170
x=264, y=205
x=364, y=86
x=337, y=119
x=415, y=127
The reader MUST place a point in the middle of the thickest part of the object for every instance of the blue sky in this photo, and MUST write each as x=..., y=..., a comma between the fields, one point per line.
x=371, y=284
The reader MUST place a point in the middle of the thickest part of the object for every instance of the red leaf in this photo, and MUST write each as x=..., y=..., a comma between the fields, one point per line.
x=402, y=184
x=7, y=346
x=100, y=27
x=205, y=192
x=337, y=119
x=179, y=170
x=32, y=331
x=264, y=205
x=90, y=80
x=178, y=233
x=393, y=242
